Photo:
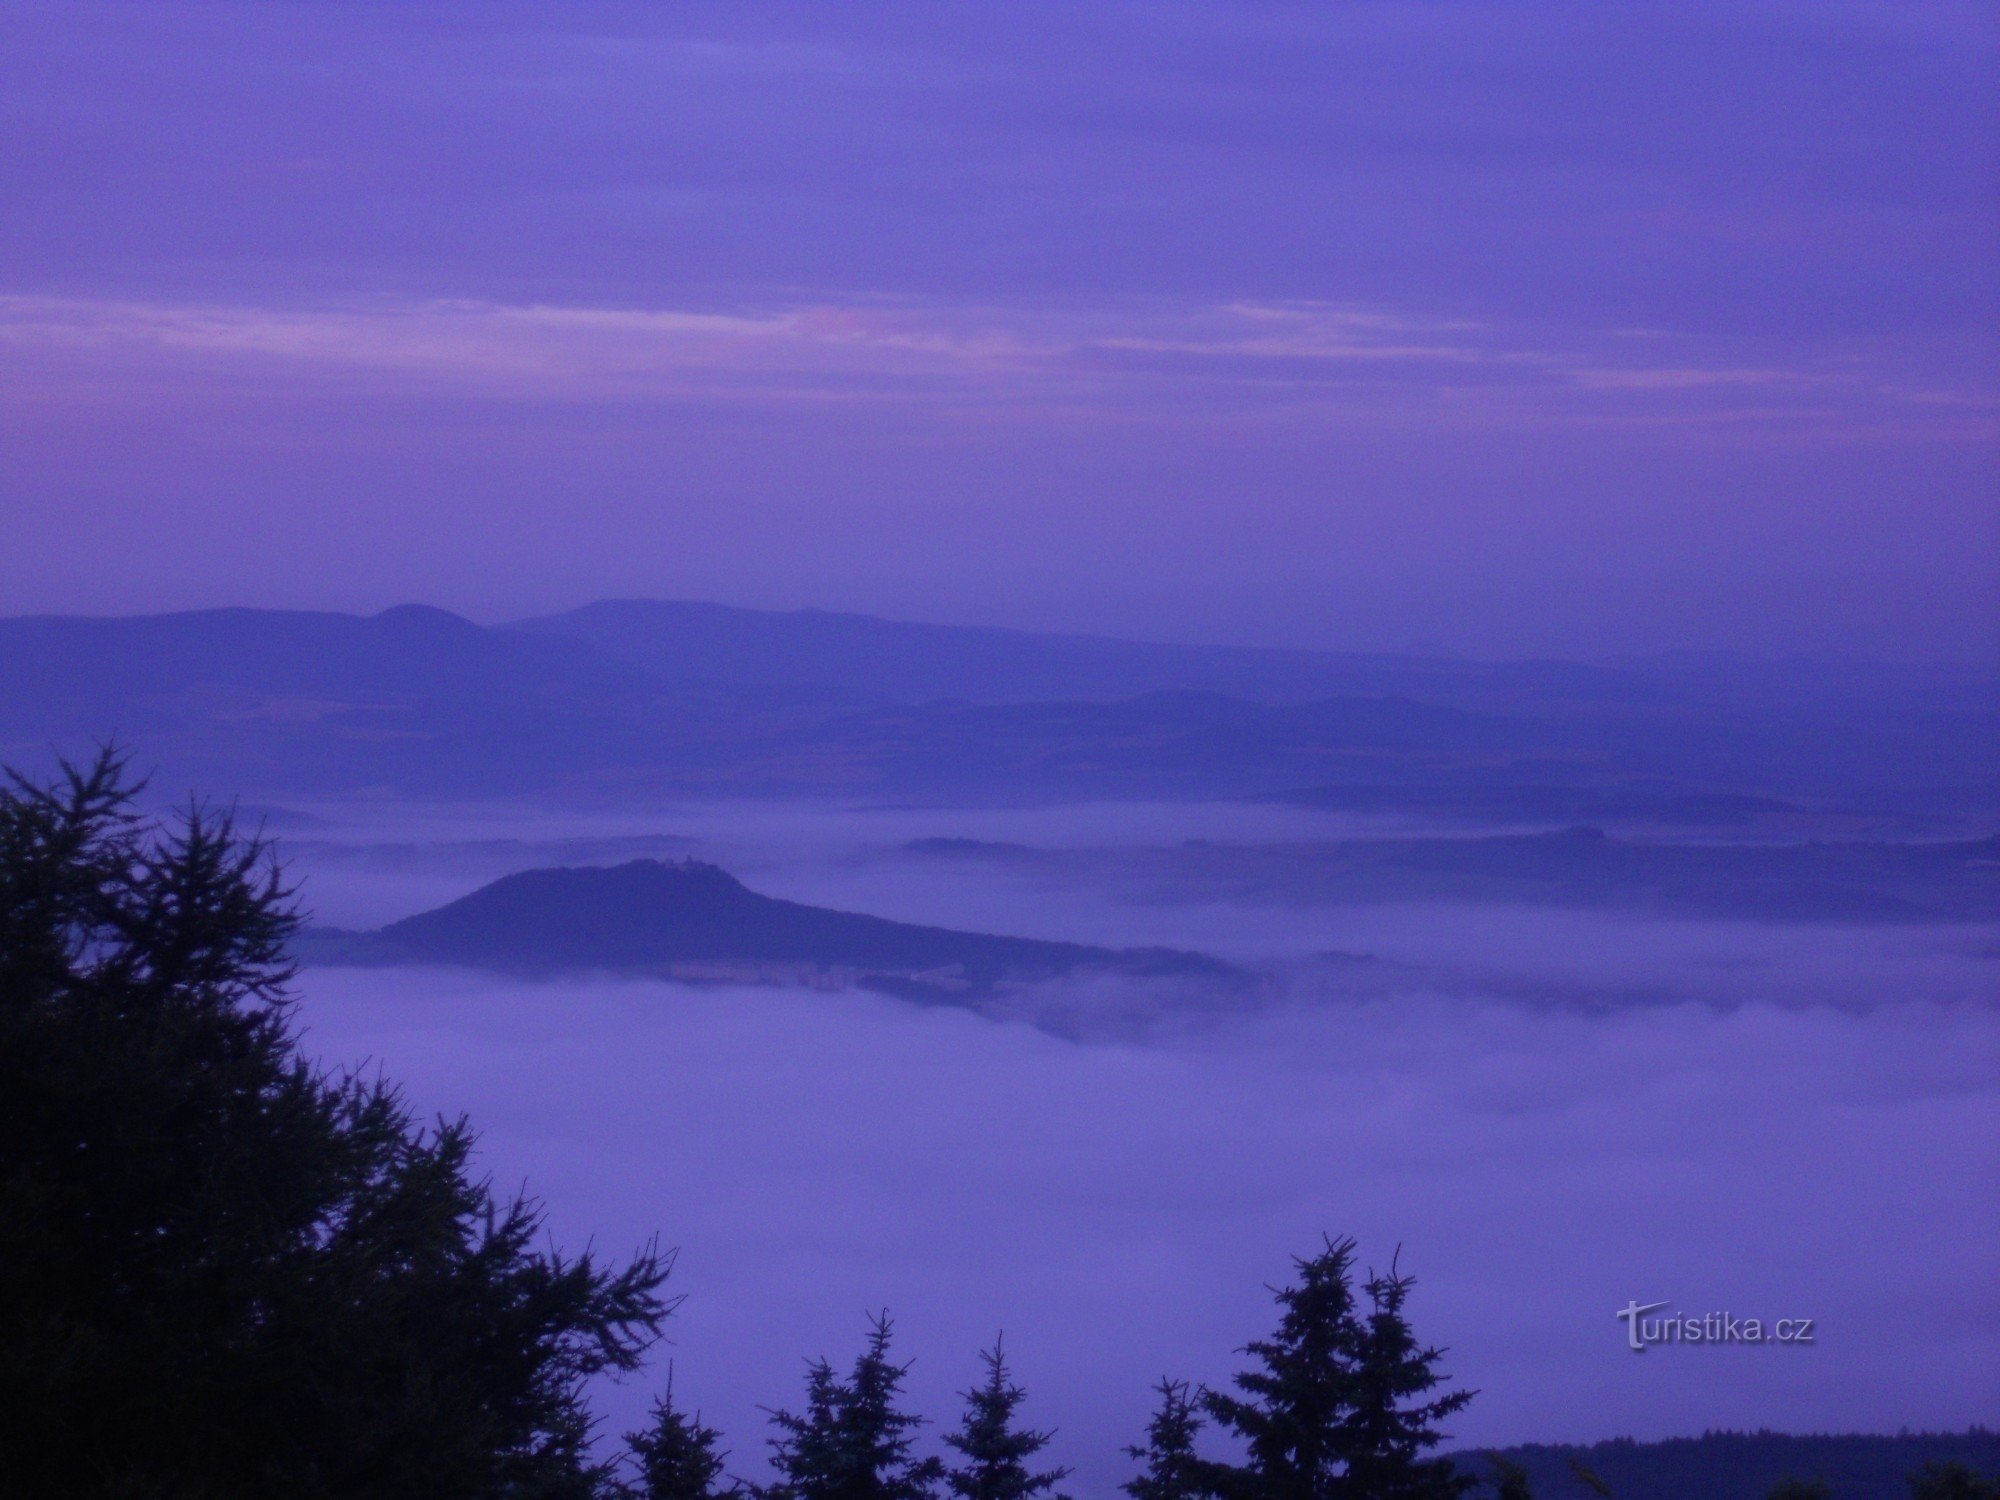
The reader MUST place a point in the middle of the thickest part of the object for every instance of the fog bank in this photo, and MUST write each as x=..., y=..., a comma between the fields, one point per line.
x=1116, y=1203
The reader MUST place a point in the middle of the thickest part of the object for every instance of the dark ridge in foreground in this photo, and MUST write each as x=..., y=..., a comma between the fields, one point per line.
x=1744, y=1465
x=694, y=921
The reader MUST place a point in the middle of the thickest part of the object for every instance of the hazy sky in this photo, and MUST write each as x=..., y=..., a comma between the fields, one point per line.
x=1507, y=327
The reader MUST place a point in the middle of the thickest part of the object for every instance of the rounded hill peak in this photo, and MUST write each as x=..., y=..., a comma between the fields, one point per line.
x=422, y=617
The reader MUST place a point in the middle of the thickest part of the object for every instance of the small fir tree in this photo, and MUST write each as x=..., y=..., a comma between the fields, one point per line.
x=1343, y=1402
x=1172, y=1470
x=852, y=1442
x=676, y=1457
x=996, y=1452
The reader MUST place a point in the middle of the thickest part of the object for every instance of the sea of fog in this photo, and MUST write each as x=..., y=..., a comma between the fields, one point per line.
x=1551, y=1113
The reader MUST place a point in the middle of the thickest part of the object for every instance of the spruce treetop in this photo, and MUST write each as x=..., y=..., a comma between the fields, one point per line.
x=1171, y=1468
x=852, y=1441
x=995, y=1451
x=676, y=1456
x=1343, y=1402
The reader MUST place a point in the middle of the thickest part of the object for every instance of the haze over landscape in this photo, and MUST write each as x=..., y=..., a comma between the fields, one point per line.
x=1515, y=330
x=1004, y=661
x=1060, y=1013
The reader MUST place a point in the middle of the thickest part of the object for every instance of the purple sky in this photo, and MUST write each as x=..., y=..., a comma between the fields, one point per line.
x=1498, y=328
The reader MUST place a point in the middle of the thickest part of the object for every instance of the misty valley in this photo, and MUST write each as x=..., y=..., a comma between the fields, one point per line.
x=871, y=976
x=1021, y=750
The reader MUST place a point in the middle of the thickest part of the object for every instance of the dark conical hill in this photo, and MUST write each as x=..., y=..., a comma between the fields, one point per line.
x=649, y=915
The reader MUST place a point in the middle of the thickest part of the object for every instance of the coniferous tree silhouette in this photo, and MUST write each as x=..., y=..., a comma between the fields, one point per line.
x=227, y=1273
x=1952, y=1481
x=1586, y=1476
x=676, y=1456
x=1510, y=1480
x=852, y=1442
x=996, y=1452
x=1172, y=1469
x=1343, y=1402
x=1800, y=1489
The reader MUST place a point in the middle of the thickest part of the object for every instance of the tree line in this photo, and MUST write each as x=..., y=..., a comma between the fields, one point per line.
x=1339, y=1401
x=226, y=1271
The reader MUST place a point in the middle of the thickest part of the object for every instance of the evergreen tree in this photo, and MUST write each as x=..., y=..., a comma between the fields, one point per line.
x=852, y=1442
x=226, y=1273
x=996, y=1452
x=1588, y=1478
x=1801, y=1489
x=1172, y=1469
x=1343, y=1402
x=1510, y=1480
x=1952, y=1481
x=677, y=1458
x=808, y=1452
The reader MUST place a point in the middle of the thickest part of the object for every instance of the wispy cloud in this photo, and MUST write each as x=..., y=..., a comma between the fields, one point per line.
x=552, y=350
x=1309, y=359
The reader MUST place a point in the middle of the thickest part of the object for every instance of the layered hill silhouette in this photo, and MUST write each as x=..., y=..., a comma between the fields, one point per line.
x=1579, y=867
x=662, y=698
x=690, y=920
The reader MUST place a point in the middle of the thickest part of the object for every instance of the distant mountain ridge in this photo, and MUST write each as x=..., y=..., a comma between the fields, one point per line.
x=899, y=661
x=692, y=920
x=880, y=661
x=1744, y=1465
x=634, y=699
x=1580, y=867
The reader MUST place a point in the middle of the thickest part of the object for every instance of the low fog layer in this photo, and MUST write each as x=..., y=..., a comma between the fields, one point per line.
x=1555, y=1112
x=1115, y=1206
x=370, y=863
x=363, y=867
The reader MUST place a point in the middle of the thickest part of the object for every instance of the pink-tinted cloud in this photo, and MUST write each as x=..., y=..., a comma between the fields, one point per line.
x=1296, y=361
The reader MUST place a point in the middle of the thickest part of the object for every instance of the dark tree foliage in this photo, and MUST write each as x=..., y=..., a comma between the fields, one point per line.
x=1343, y=1402
x=676, y=1457
x=1745, y=1465
x=1171, y=1469
x=224, y=1272
x=852, y=1442
x=1952, y=1481
x=1588, y=1478
x=1510, y=1480
x=996, y=1453
x=1800, y=1489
